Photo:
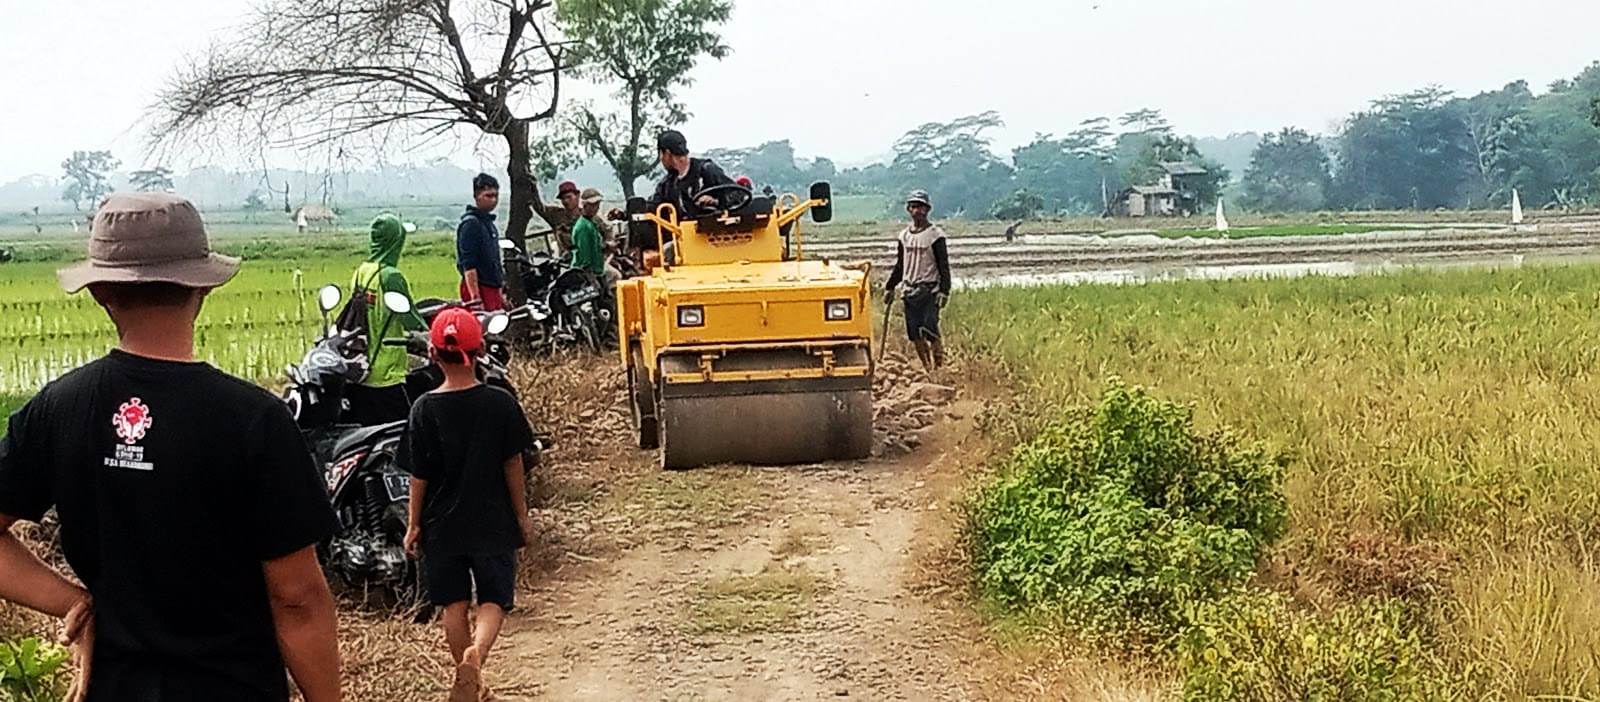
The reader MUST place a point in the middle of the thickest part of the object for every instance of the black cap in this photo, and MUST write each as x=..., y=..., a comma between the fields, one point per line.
x=672, y=141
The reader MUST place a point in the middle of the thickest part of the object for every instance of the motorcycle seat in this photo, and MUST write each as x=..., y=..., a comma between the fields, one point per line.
x=365, y=435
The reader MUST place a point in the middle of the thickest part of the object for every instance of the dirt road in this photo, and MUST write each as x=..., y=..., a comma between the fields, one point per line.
x=738, y=583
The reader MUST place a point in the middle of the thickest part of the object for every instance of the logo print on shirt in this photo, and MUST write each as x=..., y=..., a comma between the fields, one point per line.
x=132, y=420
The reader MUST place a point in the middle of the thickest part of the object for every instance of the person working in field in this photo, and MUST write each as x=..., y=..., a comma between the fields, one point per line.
x=381, y=397
x=922, y=262
x=189, y=505
x=468, y=513
x=478, y=248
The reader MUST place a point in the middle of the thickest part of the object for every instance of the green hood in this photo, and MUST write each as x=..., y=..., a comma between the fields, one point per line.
x=388, y=238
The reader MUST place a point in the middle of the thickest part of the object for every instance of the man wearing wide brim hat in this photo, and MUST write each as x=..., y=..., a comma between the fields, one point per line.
x=189, y=505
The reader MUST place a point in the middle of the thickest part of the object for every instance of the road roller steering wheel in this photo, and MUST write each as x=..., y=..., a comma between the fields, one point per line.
x=729, y=196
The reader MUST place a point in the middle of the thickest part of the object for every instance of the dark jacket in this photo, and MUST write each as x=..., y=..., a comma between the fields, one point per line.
x=681, y=192
x=478, y=247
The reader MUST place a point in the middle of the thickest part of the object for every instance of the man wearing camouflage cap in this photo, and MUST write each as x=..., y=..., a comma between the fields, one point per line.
x=922, y=262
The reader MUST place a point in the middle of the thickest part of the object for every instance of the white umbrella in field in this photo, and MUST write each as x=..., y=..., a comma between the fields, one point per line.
x=1222, y=219
x=1516, y=207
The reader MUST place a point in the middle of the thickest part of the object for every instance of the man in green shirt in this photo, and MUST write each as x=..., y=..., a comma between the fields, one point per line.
x=381, y=397
x=589, y=248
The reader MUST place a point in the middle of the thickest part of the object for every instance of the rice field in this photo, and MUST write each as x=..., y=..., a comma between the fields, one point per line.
x=1443, y=426
x=251, y=327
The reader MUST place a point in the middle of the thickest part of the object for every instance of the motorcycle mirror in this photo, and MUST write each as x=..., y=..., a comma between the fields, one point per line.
x=497, y=324
x=397, y=303
x=328, y=298
x=506, y=245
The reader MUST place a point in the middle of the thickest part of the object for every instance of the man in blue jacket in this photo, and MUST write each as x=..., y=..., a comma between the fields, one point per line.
x=478, y=248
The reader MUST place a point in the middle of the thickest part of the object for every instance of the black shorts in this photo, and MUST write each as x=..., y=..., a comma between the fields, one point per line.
x=922, y=317
x=451, y=579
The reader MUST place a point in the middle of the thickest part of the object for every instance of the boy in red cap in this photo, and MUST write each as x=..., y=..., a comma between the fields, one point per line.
x=467, y=514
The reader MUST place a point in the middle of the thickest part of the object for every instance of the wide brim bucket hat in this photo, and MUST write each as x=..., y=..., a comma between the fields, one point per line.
x=149, y=238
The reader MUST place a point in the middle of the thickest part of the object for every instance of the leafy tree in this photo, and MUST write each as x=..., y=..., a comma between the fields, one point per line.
x=152, y=179
x=1021, y=204
x=1408, y=151
x=1288, y=172
x=255, y=202
x=953, y=162
x=1070, y=173
x=646, y=48
x=1487, y=116
x=87, y=177
x=1594, y=111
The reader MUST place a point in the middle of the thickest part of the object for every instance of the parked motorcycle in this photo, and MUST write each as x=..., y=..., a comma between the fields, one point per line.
x=568, y=306
x=366, y=484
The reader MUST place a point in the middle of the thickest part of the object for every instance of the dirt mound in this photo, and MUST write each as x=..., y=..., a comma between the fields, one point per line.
x=906, y=405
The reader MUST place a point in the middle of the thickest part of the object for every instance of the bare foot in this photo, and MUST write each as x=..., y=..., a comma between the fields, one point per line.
x=468, y=681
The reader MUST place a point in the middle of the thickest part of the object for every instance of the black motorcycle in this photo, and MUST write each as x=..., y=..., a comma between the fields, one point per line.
x=366, y=484
x=568, y=306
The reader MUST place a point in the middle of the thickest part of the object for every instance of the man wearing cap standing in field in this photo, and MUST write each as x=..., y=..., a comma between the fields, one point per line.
x=922, y=262
x=561, y=216
x=188, y=503
x=380, y=398
x=589, y=252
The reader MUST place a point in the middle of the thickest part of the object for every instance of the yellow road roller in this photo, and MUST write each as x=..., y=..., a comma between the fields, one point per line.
x=738, y=348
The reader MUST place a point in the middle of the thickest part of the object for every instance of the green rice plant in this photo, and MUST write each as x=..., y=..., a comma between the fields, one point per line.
x=251, y=327
x=32, y=670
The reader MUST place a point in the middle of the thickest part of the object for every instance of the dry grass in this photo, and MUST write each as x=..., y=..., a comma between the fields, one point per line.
x=1436, y=419
x=768, y=601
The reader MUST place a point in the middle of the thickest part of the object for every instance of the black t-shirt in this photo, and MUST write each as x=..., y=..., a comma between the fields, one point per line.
x=459, y=442
x=173, y=483
x=681, y=192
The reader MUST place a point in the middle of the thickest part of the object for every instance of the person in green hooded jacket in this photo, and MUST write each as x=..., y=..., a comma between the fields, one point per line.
x=381, y=397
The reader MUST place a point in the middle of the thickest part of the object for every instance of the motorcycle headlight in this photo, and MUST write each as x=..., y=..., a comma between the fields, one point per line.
x=691, y=316
x=837, y=310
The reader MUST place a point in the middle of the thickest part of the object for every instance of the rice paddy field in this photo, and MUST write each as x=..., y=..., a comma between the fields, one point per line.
x=252, y=326
x=1442, y=429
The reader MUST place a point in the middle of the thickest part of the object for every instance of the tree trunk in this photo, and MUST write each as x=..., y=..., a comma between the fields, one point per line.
x=520, y=207
x=520, y=170
x=627, y=184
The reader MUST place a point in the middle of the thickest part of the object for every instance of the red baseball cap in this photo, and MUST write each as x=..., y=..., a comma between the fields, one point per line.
x=566, y=186
x=456, y=329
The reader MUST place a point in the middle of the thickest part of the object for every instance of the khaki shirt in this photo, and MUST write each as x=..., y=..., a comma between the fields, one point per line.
x=561, y=222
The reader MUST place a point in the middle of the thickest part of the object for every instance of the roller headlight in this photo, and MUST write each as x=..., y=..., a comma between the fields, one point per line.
x=837, y=310
x=691, y=316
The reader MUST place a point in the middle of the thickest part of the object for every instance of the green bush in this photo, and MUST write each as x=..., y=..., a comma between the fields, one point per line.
x=1257, y=647
x=31, y=670
x=1117, y=520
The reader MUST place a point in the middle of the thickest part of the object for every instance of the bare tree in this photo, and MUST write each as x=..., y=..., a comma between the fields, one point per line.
x=309, y=73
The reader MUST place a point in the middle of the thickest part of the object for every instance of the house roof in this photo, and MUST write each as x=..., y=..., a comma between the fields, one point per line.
x=1152, y=190
x=1182, y=168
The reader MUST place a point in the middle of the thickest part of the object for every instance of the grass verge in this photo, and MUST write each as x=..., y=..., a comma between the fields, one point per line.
x=1441, y=429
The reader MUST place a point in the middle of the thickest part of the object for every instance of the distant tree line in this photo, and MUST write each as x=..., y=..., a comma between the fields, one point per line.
x=1430, y=149
x=1425, y=149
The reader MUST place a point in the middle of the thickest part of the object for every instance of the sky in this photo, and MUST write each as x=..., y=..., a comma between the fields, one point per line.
x=844, y=78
